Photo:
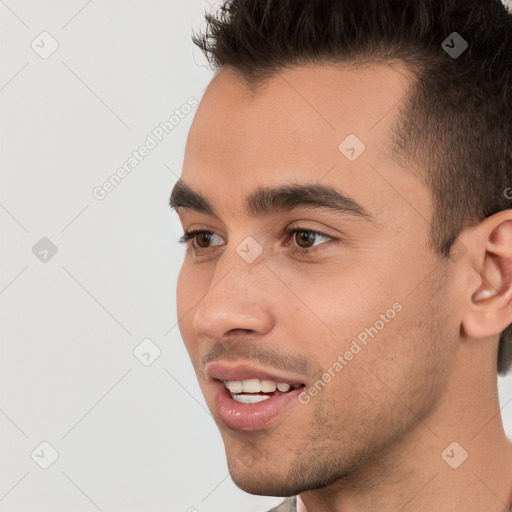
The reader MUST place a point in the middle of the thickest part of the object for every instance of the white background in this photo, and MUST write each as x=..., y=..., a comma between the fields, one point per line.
x=129, y=437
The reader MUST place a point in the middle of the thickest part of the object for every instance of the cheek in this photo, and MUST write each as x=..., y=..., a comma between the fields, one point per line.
x=413, y=354
x=376, y=327
x=339, y=306
x=394, y=371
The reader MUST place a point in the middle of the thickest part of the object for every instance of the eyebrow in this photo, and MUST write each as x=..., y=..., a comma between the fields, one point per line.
x=273, y=200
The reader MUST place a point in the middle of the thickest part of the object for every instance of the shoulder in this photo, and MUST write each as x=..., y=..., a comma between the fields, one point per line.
x=288, y=505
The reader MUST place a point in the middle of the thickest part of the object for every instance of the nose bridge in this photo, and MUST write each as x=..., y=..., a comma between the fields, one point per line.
x=236, y=297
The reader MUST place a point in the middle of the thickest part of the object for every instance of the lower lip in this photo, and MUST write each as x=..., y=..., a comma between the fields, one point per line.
x=241, y=416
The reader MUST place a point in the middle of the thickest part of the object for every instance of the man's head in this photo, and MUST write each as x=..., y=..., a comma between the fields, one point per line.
x=355, y=120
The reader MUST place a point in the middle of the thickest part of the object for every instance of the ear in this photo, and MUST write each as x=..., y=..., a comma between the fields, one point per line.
x=489, y=294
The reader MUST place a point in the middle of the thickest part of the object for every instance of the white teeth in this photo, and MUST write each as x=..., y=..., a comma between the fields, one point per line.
x=235, y=386
x=251, y=386
x=256, y=385
x=250, y=399
x=268, y=386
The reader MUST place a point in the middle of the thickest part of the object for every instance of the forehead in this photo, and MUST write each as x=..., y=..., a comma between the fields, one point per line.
x=305, y=104
x=296, y=125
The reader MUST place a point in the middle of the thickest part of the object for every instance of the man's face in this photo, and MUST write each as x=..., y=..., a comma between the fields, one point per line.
x=363, y=313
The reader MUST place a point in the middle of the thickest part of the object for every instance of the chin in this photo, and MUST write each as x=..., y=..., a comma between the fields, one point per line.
x=257, y=478
x=263, y=486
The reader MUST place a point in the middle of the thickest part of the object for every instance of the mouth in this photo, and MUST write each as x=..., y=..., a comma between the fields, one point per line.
x=252, y=411
x=251, y=391
x=254, y=402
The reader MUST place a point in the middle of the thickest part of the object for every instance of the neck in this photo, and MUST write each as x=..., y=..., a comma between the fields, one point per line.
x=456, y=458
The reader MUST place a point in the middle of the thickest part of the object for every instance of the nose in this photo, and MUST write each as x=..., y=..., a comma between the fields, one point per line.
x=238, y=299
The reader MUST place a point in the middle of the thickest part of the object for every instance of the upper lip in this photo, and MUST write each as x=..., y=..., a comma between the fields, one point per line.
x=242, y=372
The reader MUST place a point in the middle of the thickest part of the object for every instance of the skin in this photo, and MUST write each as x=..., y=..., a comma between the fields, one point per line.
x=374, y=436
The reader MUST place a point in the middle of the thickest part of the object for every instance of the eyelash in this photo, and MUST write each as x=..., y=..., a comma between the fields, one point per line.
x=189, y=236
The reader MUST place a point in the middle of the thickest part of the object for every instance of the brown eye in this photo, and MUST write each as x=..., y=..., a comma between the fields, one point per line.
x=307, y=242
x=199, y=239
x=203, y=238
x=305, y=239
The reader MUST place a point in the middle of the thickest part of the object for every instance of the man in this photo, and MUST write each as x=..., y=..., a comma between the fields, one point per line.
x=344, y=296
